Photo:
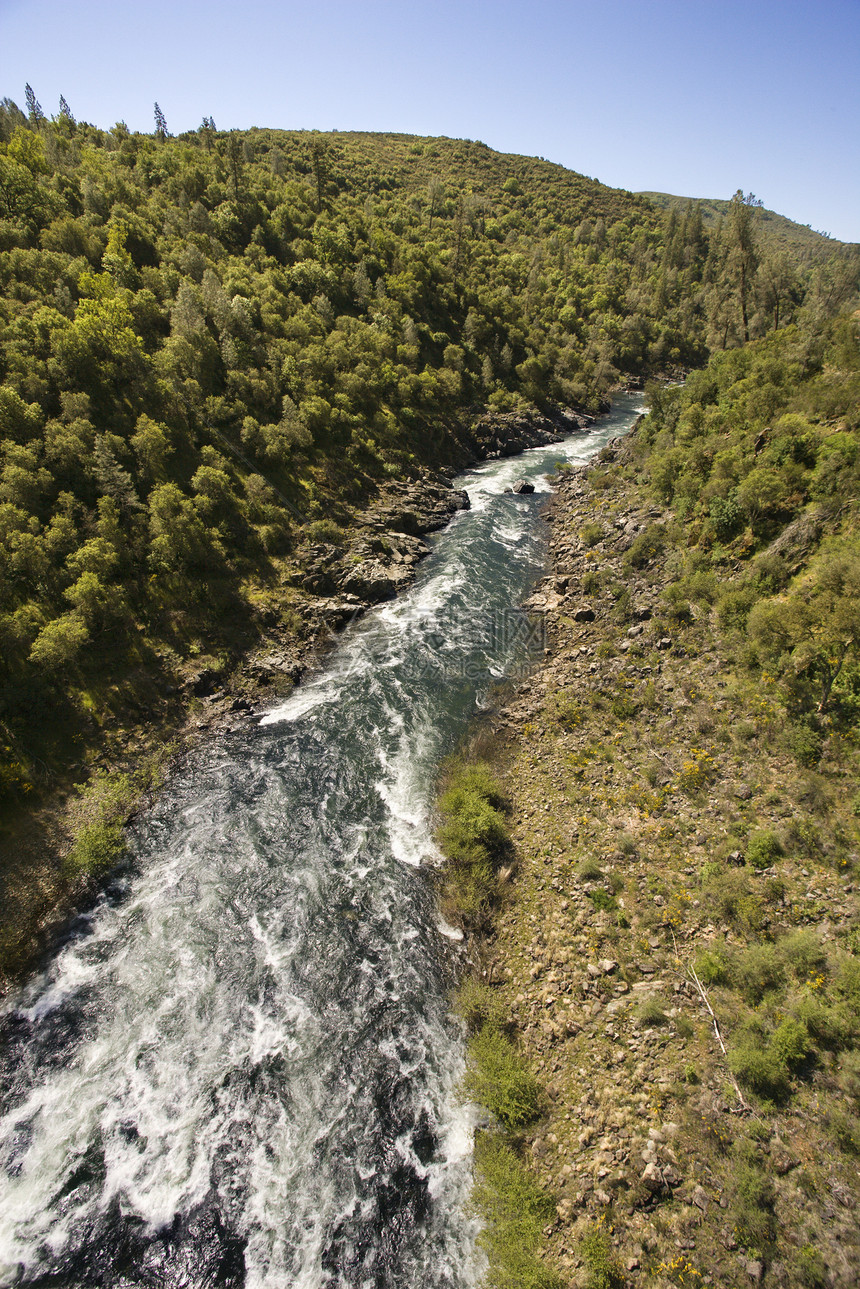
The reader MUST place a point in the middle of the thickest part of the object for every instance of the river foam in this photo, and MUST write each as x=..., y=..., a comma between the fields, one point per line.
x=241, y=1070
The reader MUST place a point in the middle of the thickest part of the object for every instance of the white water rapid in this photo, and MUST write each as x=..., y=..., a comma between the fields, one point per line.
x=239, y=1068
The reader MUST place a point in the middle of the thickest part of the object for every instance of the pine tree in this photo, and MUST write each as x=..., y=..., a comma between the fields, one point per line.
x=34, y=107
x=160, y=124
x=66, y=111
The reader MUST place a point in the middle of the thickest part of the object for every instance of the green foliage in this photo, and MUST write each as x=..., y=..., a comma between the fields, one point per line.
x=602, y=1268
x=763, y=848
x=474, y=837
x=591, y=533
x=499, y=1079
x=97, y=847
x=646, y=546
x=514, y=1210
x=479, y=1005
x=753, y=1203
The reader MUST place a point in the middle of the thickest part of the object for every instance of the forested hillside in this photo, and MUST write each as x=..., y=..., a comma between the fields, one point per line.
x=775, y=231
x=213, y=348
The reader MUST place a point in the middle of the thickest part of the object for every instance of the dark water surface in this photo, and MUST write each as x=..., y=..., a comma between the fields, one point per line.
x=241, y=1068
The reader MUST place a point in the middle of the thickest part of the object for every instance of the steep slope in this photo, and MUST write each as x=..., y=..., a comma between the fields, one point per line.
x=676, y=956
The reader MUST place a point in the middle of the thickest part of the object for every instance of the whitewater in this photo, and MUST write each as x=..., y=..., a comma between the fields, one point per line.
x=240, y=1067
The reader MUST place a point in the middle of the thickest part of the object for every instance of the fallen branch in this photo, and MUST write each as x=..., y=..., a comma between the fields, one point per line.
x=703, y=994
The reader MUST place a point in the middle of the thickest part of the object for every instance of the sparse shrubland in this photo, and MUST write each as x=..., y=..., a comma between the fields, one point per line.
x=678, y=957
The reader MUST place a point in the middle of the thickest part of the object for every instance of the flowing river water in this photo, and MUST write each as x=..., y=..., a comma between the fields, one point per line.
x=240, y=1068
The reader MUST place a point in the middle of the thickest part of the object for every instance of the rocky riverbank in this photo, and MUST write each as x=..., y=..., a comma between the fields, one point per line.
x=652, y=954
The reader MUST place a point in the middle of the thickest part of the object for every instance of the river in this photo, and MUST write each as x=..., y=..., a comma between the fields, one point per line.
x=239, y=1068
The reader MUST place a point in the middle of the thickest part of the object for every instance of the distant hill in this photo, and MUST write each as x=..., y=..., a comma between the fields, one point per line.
x=777, y=230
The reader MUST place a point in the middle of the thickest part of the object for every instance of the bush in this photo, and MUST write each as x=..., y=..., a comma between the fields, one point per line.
x=711, y=968
x=846, y=1130
x=806, y=743
x=763, y=848
x=474, y=838
x=591, y=533
x=790, y=1043
x=646, y=546
x=735, y=607
x=603, y=1271
x=499, y=1079
x=757, y=971
x=726, y=517
x=479, y=1005
x=753, y=1206
x=96, y=848
x=514, y=1210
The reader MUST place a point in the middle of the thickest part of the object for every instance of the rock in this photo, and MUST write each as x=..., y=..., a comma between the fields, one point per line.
x=522, y=486
x=754, y=1269
x=584, y=615
x=374, y=581
x=607, y=966
x=671, y=1176
x=700, y=1199
x=205, y=682
x=652, y=1177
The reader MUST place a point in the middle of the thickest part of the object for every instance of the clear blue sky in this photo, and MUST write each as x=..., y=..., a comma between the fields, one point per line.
x=698, y=97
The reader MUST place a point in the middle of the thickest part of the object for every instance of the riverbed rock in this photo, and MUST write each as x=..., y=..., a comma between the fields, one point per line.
x=522, y=486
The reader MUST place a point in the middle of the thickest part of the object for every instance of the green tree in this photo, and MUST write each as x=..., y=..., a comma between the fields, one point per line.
x=743, y=252
x=161, y=132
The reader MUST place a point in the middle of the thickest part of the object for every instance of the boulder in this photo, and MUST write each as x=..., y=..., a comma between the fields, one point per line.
x=522, y=486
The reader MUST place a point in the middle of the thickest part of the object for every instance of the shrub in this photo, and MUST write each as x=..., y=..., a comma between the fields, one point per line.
x=646, y=546
x=763, y=848
x=514, y=1210
x=591, y=533
x=499, y=1079
x=96, y=848
x=479, y=1005
x=711, y=968
x=757, y=970
x=566, y=710
x=765, y=1066
x=735, y=607
x=790, y=1043
x=474, y=837
x=726, y=517
x=603, y=1271
x=753, y=1205
x=805, y=742
x=846, y=1129
x=811, y=1268
x=602, y=901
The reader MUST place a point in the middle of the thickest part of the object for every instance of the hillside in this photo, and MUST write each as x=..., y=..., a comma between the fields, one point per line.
x=214, y=352
x=665, y=1011
x=219, y=352
x=775, y=230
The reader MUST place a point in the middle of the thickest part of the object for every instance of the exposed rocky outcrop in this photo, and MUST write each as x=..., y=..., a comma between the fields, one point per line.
x=504, y=434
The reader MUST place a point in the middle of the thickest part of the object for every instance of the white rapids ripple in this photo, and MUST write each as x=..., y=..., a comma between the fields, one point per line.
x=239, y=1068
